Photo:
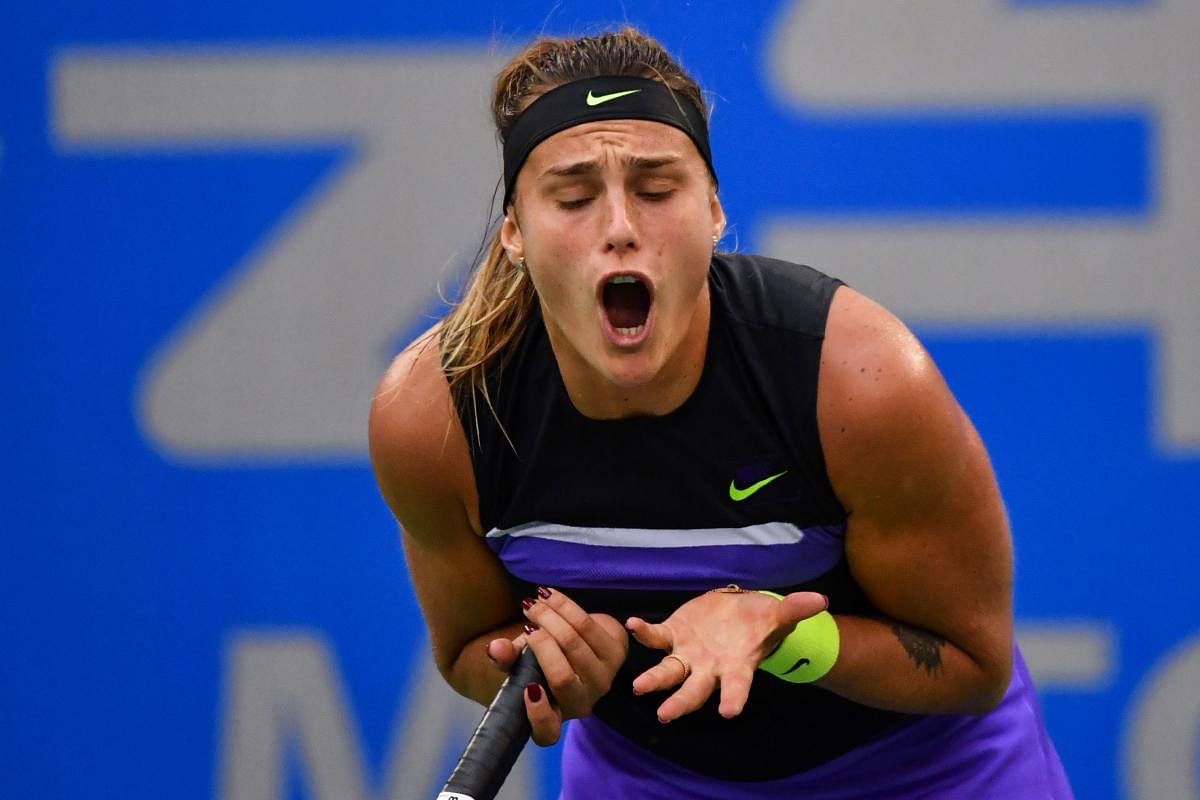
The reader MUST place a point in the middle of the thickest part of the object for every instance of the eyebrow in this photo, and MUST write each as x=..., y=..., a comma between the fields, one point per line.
x=642, y=163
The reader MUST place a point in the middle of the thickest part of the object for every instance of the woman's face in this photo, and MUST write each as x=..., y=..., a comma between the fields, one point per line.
x=616, y=220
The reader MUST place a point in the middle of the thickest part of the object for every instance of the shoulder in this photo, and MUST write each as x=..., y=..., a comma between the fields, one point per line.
x=772, y=293
x=418, y=449
x=871, y=360
x=886, y=416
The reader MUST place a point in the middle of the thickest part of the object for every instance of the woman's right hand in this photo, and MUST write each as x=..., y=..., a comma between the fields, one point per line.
x=579, y=653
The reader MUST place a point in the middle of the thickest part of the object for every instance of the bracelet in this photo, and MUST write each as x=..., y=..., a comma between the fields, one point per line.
x=732, y=588
x=808, y=652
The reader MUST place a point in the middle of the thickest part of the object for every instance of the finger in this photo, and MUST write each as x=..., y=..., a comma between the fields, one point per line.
x=569, y=639
x=550, y=656
x=600, y=641
x=504, y=652
x=800, y=605
x=544, y=719
x=608, y=637
x=665, y=674
x=585, y=664
x=560, y=674
x=693, y=694
x=617, y=631
x=657, y=636
x=735, y=691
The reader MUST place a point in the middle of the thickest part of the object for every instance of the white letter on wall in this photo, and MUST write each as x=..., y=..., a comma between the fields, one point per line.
x=283, y=693
x=990, y=57
x=1162, y=743
x=281, y=360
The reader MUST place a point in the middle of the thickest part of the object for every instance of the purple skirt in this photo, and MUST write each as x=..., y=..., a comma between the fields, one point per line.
x=1002, y=755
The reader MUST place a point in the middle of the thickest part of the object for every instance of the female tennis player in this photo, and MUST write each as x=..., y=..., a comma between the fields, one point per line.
x=729, y=502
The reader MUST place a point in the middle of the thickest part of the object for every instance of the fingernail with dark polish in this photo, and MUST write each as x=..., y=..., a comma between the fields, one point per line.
x=530, y=628
x=535, y=692
x=543, y=593
x=527, y=603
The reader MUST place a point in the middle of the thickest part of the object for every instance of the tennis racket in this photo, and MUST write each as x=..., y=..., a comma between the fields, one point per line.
x=498, y=739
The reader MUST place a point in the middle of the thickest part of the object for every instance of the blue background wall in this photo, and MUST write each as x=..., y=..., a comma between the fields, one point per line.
x=218, y=222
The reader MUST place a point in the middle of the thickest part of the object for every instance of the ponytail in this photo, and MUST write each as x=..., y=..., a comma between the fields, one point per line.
x=479, y=331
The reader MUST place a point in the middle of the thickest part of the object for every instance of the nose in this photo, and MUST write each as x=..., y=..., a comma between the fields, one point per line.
x=620, y=233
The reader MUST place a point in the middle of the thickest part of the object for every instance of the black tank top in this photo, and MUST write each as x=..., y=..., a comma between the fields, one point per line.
x=638, y=515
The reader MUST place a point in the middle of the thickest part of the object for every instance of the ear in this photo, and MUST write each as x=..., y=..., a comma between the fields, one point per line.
x=718, y=215
x=510, y=235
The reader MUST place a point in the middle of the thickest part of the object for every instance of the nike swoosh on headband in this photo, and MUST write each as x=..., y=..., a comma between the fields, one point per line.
x=594, y=100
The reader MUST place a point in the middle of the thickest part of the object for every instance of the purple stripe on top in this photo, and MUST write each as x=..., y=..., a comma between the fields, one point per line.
x=592, y=565
x=1002, y=755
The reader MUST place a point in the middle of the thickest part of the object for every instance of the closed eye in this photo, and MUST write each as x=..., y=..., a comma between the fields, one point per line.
x=656, y=197
x=571, y=205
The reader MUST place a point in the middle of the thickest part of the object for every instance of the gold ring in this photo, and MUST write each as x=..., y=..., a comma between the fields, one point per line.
x=683, y=662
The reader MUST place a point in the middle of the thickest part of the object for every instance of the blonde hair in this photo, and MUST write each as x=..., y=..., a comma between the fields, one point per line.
x=479, y=332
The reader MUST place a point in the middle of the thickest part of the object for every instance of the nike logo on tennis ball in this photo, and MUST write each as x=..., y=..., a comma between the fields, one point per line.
x=593, y=100
x=804, y=662
x=737, y=495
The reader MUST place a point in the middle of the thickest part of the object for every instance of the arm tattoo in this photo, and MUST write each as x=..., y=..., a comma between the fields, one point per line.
x=922, y=646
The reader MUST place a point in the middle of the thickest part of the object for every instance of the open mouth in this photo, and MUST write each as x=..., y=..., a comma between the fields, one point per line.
x=626, y=304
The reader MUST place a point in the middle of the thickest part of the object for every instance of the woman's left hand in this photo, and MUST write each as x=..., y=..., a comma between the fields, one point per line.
x=717, y=639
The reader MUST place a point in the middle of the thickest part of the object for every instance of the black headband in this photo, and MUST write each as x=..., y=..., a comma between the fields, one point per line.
x=592, y=99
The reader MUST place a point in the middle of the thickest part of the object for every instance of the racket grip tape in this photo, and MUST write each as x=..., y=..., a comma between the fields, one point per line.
x=498, y=739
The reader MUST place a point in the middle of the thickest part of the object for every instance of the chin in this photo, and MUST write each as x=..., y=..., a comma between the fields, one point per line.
x=630, y=372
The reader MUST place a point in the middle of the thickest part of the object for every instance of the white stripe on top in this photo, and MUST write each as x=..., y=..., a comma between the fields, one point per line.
x=763, y=533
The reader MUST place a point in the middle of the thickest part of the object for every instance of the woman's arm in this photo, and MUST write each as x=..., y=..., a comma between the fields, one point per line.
x=423, y=466
x=927, y=537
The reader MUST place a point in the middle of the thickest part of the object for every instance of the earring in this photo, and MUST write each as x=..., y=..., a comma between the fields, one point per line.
x=521, y=264
x=715, y=239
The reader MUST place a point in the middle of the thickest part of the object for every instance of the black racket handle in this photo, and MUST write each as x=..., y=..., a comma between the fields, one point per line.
x=498, y=739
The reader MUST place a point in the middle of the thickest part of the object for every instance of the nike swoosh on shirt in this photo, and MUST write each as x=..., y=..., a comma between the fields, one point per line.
x=593, y=100
x=737, y=495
